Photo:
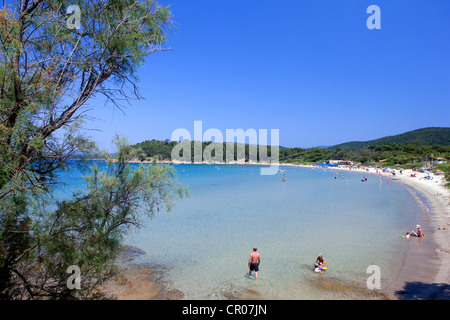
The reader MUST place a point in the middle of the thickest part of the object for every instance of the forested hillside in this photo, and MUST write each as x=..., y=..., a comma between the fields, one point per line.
x=422, y=137
x=412, y=148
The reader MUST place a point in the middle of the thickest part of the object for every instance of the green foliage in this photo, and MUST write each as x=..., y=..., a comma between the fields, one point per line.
x=391, y=154
x=48, y=73
x=14, y=238
x=423, y=137
x=85, y=230
x=394, y=154
x=155, y=148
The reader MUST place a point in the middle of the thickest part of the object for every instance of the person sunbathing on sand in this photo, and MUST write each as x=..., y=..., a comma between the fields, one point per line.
x=419, y=232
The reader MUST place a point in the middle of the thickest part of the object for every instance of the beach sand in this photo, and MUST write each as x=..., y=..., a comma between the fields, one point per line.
x=426, y=272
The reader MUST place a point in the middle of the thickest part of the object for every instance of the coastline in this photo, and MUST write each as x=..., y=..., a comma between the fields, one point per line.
x=425, y=271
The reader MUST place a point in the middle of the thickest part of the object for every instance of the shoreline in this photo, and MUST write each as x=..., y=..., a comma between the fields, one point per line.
x=425, y=271
x=135, y=281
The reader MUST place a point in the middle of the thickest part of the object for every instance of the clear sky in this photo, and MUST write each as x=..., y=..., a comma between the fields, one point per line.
x=310, y=68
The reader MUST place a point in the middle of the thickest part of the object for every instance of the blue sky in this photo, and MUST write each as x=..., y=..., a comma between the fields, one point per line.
x=311, y=69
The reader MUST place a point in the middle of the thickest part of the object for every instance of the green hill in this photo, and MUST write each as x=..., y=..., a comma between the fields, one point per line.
x=409, y=148
x=423, y=137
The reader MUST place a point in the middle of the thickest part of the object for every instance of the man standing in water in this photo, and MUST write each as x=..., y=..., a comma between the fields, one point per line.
x=253, y=263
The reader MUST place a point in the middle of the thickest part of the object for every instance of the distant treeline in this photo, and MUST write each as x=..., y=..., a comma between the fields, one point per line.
x=388, y=155
x=163, y=150
x=151, y=148
x=431, y=136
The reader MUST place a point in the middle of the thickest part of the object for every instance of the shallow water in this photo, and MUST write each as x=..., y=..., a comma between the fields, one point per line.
x=206, y=240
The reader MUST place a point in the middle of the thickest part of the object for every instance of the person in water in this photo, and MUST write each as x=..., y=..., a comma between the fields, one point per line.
x=253, y=263
x=320, y=260
x=284, y=178
x=318, y=267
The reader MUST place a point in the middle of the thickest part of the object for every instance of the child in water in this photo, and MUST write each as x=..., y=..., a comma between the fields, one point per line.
x=318, y=267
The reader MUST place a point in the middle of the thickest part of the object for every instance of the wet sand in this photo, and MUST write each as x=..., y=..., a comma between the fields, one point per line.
x=139, y=282
x=426, y=271
x=322, y=283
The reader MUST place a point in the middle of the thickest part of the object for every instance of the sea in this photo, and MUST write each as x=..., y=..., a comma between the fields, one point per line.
x=202, y=245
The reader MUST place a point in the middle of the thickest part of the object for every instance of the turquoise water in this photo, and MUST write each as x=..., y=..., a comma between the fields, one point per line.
x=205, y=241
